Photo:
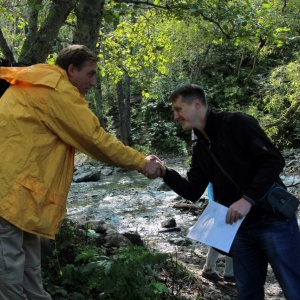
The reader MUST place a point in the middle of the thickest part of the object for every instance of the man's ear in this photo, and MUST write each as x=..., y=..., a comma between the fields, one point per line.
x=71, y=70
x=198, y=104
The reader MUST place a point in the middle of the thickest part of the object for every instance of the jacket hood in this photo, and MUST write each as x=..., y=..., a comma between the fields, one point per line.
x=32, y=75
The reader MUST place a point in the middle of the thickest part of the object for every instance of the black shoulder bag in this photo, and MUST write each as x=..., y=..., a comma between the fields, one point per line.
x=277, y=200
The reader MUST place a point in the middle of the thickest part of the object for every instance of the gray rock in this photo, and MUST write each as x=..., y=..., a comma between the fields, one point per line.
x=169, y=223
x=117, y=240
x=103, y=227
x=107, y=171
x=180, y=241
x=93, y=175
x=174, y=229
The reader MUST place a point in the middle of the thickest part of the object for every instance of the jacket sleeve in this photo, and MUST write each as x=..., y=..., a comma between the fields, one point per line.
x=190, y=187
x=68, y=115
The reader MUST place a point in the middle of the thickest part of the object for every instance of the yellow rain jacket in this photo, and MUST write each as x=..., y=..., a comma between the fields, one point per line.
x=43, y=119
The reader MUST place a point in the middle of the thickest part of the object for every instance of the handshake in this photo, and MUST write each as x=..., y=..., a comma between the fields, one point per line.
x=154, y=167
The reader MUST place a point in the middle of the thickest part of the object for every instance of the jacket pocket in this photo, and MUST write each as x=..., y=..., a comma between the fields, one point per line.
x=41, y=209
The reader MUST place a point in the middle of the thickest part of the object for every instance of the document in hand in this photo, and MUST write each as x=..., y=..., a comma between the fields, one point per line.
x=211, y=228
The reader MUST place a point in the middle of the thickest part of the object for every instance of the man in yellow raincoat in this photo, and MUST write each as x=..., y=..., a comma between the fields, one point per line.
x=43, y=119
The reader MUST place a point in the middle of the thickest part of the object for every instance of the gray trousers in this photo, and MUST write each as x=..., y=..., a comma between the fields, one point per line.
x=211, y=260
x=20, y=264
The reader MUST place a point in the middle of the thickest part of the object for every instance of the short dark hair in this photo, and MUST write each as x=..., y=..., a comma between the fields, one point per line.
x=76, y=55
x=188, y=93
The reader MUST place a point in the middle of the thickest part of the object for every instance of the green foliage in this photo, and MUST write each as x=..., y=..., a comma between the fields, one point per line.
x=133, y=275
x=153, y=127
x=217, y=44
x=234, y=49
x=134, y=48
x=78, y=269
x=13, y=22
x=281, y=97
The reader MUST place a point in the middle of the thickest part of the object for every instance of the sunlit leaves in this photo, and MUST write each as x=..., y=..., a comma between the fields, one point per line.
x=133, y=47
x=283, y=87
x=13, y=23
x=281, y=94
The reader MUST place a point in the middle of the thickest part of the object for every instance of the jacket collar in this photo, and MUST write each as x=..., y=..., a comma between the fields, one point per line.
x=209, y=125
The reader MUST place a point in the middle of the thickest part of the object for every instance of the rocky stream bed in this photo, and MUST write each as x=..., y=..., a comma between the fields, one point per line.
x=132, y=203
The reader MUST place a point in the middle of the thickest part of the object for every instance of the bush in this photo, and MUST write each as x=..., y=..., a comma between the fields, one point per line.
x=78, y=269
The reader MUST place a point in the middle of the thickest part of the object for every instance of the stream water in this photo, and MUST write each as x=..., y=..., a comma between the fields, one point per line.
x=133, y=203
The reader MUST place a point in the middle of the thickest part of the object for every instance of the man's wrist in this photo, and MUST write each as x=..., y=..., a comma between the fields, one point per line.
x=249, y=199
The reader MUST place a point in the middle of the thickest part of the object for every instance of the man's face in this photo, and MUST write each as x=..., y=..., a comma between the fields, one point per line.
x=84, y=78
x=186, y=114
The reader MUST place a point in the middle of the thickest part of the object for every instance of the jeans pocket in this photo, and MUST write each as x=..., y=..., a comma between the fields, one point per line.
x=273, y=220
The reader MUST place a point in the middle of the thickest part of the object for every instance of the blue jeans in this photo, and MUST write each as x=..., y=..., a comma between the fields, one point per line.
x=269, y=241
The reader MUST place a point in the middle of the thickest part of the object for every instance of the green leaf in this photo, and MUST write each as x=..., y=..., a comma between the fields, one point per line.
x=283, y=29
x=160, y=287
x=266, y=6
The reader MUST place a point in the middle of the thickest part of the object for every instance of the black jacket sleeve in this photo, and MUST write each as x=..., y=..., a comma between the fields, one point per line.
x=190, y=188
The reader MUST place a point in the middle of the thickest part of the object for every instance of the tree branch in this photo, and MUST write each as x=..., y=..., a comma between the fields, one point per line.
x=8, y=54
x=288, y=114
x=176, y=8
x=33, y=20
x=147, y=3
x=39, y=44
x=262, y=43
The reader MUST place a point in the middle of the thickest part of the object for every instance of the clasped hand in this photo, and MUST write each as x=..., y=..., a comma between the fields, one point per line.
x=154, y=167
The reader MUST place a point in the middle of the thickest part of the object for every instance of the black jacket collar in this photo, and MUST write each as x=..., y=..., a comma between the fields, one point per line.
x=210, y=125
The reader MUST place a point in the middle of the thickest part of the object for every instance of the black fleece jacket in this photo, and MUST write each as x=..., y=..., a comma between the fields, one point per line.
x=244, y=151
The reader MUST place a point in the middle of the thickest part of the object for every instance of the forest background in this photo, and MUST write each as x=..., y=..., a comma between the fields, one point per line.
x=245, y=54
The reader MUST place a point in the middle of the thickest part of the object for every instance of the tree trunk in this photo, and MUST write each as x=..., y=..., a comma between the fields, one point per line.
x=8, y=54
x=98, y=109
x=38, y=43
x=123, y=92
x=89, y=17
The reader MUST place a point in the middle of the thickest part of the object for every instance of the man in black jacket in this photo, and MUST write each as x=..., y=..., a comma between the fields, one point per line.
x=254, y=163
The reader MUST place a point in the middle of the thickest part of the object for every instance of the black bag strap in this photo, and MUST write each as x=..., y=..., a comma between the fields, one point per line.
x=223, y=170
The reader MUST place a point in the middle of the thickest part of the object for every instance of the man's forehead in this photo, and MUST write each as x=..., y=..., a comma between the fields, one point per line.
x=178, y=104
x=90, y=64
x=90, y=67
x=177, y=101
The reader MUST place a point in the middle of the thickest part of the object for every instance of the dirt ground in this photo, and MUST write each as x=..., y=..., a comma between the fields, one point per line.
x=204, y=289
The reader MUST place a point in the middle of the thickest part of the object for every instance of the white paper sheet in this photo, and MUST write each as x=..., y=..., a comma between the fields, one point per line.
x=211, y=228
